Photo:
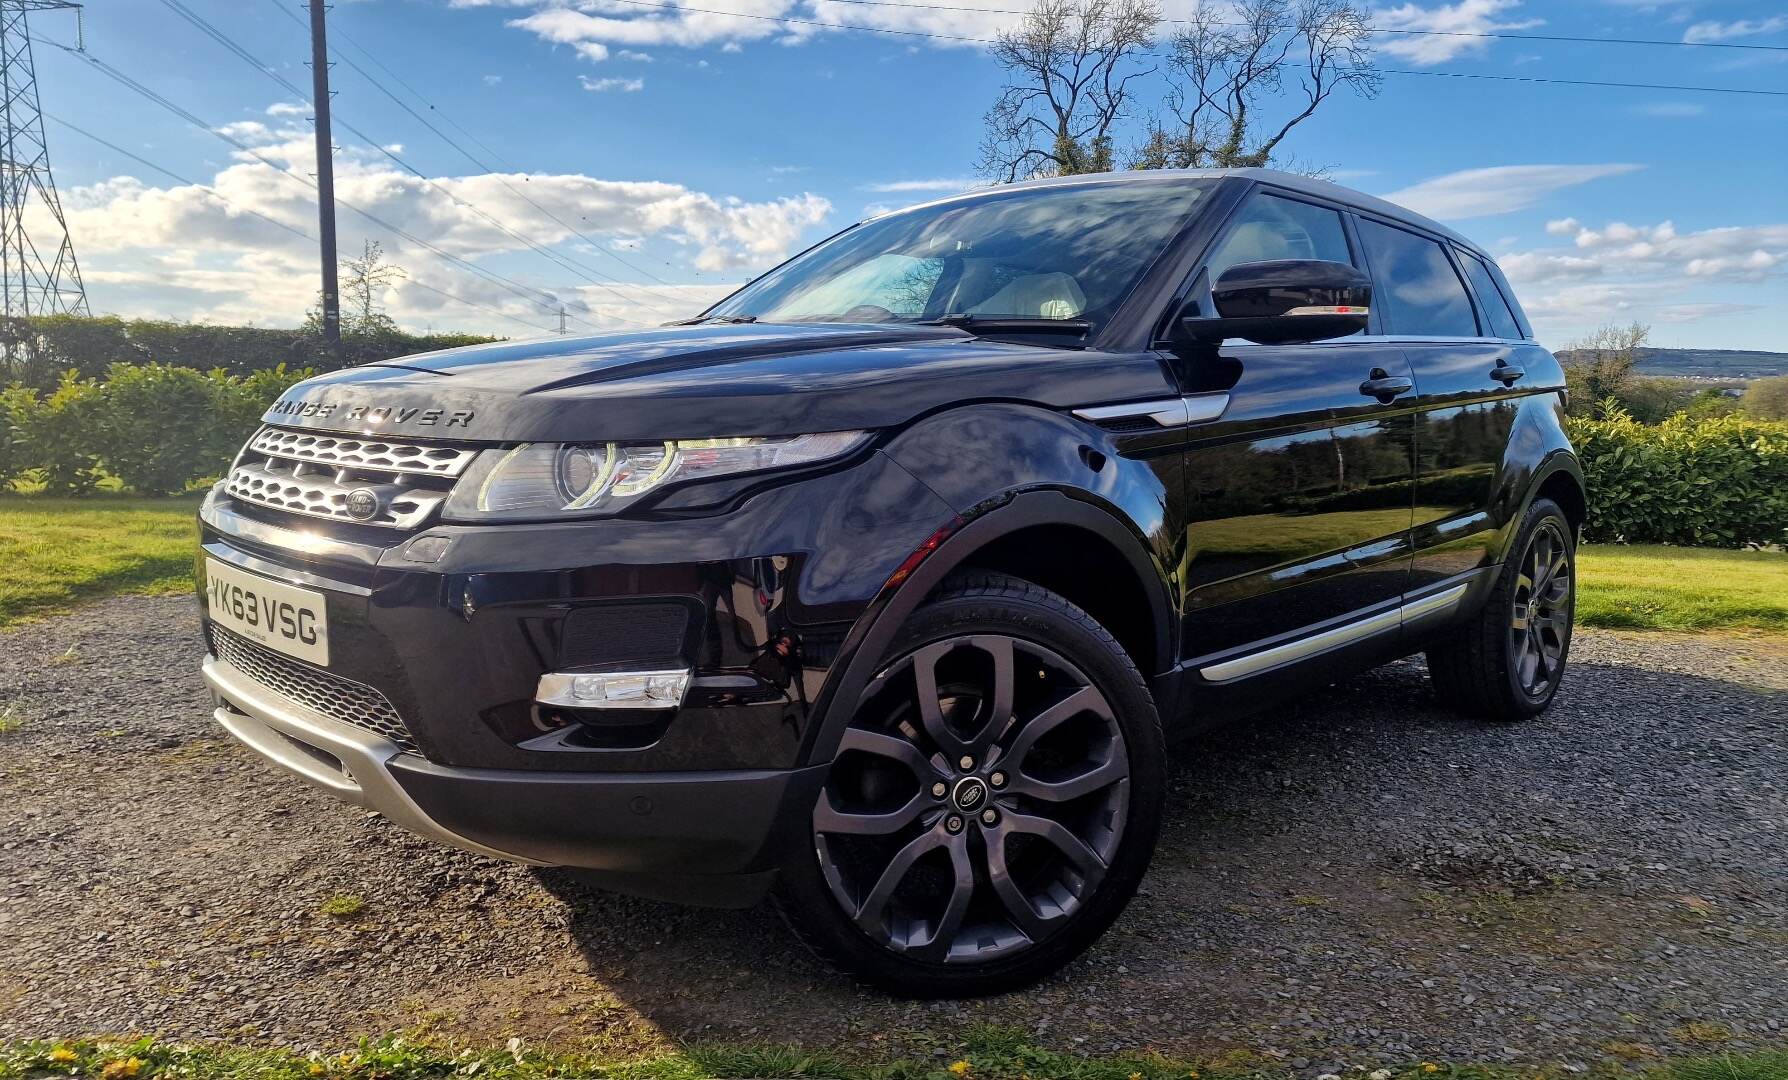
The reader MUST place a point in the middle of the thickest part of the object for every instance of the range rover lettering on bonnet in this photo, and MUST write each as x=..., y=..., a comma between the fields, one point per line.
x=372, y=414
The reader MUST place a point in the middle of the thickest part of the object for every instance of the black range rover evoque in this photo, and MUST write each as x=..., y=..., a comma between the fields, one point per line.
x=880, y=586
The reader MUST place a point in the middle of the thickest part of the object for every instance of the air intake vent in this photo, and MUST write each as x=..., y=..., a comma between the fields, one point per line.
x=622, y=634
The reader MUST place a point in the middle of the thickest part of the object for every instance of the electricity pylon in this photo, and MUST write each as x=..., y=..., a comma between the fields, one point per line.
x=37, y=259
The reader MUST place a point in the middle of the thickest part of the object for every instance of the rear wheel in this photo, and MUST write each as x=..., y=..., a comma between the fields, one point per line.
x=1507, y=662
x=993, y=803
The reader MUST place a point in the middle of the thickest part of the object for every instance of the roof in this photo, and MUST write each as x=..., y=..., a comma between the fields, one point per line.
x=1290, y=181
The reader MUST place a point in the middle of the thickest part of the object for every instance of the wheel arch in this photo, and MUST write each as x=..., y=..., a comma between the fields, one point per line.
x=1040, y=534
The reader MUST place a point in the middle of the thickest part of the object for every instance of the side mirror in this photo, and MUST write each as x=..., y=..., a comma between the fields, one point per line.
x=1285, y=301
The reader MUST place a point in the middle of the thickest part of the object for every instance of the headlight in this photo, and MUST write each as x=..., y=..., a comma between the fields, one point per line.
x=538, y=481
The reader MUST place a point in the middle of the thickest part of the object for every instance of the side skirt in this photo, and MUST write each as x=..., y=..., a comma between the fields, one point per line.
x=1225, y=686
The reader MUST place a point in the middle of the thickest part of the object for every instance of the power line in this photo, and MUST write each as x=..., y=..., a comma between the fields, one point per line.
x=473, y=158
x=253, y=61
x=1486, y=34
x=533, y=296
x=300, y=233
x=1388, y=71
x=213, y=192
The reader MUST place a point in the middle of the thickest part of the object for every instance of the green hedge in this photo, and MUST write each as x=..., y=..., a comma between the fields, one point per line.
x=1720, y=482
x=157, y=428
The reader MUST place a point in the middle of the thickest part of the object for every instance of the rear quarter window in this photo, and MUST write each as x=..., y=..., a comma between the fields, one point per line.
x=1503, y=323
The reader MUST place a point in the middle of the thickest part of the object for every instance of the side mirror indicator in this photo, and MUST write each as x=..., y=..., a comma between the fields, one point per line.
x=1283, y=301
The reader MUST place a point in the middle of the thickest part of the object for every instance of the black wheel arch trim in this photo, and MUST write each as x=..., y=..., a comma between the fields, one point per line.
x=1558, y=460
x=876, y=628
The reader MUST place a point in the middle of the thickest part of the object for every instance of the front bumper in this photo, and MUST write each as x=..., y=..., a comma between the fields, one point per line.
x=706, y=837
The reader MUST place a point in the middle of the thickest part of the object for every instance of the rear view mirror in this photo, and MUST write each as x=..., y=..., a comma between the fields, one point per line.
x=1284, y=301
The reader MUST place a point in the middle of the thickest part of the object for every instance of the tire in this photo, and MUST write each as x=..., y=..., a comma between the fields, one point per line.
x=1507, y=661
x=978, y=847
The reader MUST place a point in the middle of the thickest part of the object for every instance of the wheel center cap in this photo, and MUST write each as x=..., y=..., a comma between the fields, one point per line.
x=970, y=794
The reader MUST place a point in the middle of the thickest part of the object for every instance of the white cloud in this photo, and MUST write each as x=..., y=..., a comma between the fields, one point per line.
x=289, y=108
x=636, y=57
x=1622, y=271
x=625, y=86
x=1447, y=27
x=946, y=184
x=492, y=80
x=1703, y=32
x=181, y=252
x=1499, y=189
x=1668, y=110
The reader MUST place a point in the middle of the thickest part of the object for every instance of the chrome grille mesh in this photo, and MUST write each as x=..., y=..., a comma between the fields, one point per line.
x=330, y=694
x=339, y=451
x=287, y=485
x=393, y=484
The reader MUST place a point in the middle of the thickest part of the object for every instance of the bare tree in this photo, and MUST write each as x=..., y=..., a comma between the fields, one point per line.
x=1599, y=368
x=363, y=285
x=1229, y=69
x=1070, y=67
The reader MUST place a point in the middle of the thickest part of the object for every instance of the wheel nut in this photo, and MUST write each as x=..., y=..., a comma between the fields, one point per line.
x=989, y=816
x=998, y=779
x=967, y=763
x=953, y=823
x=938, y=789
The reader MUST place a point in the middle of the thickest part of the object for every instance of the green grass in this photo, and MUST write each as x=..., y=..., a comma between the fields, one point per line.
x=57, y=552
x=987, y=1056
x=1648, y=587
x=342, y=906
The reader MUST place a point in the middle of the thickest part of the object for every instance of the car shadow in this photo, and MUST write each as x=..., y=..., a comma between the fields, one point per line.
x=1309, y=816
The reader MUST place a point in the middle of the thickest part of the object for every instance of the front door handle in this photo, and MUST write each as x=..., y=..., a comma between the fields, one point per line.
x=1506, y=374
x=1384, y=386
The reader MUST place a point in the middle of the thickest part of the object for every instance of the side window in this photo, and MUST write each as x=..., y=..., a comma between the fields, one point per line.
x=1269, y=227
x=1496, y=308
x=1414, y=284
x=1509, y=298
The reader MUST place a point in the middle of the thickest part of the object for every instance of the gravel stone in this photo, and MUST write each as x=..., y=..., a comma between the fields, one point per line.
x=1352, y=881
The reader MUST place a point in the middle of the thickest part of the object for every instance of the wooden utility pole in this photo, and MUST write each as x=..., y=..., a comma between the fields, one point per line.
x=319, y=81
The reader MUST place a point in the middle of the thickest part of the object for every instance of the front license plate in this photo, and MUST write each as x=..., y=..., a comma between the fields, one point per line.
x=283, y=617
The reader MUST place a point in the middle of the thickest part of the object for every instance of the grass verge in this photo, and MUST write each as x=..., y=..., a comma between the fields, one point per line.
x=1650, y=587
x=57, y=552
x=991, y=1055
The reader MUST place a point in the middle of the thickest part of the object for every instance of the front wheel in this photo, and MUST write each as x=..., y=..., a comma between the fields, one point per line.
x=1506, y=663
x=993, y=803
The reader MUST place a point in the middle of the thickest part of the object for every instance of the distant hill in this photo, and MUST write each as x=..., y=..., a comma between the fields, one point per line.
x=1707, y=363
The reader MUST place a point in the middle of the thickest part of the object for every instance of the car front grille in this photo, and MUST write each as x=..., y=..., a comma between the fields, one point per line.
x=393, y=484
x=325, y=692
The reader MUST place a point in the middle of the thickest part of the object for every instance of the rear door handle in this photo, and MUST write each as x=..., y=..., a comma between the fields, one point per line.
x=1384, y=386
x=1506, y=374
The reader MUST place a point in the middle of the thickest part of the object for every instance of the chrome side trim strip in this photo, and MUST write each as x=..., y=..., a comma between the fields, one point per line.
x=345, y=761
x=1444, y=600
x=1166, y=412
x=1293, y=651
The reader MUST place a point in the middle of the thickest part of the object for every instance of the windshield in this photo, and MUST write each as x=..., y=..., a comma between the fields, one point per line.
x=1069, y=253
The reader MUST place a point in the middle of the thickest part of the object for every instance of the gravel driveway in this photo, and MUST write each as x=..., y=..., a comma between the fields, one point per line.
x=1362, y=878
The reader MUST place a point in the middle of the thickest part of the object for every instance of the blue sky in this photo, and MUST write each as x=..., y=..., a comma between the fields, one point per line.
x=699, y=148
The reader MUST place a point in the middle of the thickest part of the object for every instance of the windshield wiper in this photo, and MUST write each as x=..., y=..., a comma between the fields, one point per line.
x=732, y=319
x=1012, y=324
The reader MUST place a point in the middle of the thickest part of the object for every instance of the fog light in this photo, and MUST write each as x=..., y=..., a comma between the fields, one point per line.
x=614, y=689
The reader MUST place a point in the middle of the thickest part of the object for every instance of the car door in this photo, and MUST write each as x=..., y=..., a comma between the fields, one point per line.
x=1298, y=491
x=1466, y=363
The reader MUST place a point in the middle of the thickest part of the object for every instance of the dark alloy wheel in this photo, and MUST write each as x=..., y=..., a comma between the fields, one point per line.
x=1506, y=661
x=1540, y=610
x=975, y=801
x=992, y=803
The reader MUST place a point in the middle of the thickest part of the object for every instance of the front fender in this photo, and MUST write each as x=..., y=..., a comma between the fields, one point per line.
x=1005, y=468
